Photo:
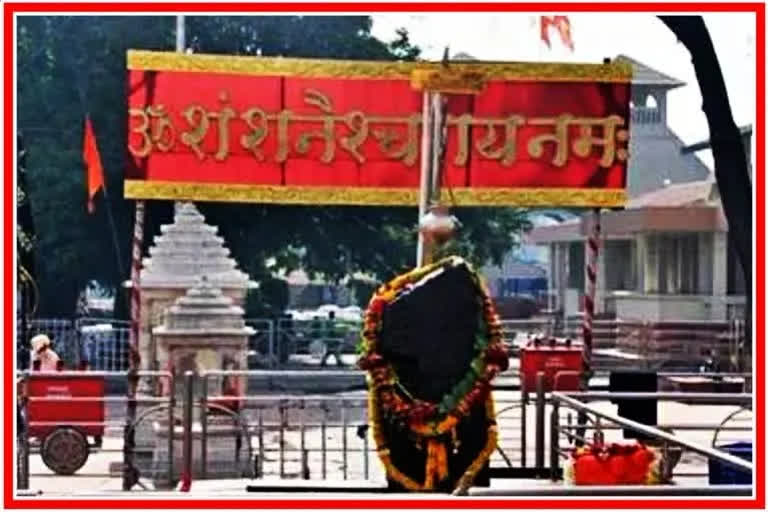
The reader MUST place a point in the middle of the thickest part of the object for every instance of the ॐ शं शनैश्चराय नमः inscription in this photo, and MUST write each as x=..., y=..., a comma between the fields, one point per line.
x=154, y=130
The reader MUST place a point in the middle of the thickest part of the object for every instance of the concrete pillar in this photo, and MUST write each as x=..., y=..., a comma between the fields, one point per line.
x=651, y=262
x=641, y=249
x=562, y=275
x=706, y=261
x=719, y=274
x=719, y=263
x=551, y=276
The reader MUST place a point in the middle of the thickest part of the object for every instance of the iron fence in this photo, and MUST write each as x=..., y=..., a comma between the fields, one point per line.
x=100, y=344
x=317, y=340
x=261, y=345
x=198, y=432
x=286, y=343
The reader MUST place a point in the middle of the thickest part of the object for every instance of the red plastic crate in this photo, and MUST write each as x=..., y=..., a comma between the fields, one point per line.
x=64, y=413
x=551, y=359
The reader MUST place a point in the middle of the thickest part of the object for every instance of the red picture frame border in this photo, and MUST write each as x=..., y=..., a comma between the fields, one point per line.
x=12, y=502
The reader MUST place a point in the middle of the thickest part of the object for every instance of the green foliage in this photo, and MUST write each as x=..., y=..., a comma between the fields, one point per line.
x=269, y=300
x=68, y=66
x=363, y=291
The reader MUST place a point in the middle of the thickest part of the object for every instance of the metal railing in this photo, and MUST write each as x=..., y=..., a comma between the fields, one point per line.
x=99, y=343
x=103, y=343
x=576, y=401
x=307, y=430
x=261, y=345
x=645, y=115
x=325, y=436
x=317, y=339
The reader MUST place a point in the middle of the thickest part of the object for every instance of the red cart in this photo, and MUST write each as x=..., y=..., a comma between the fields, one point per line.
x=61, y=427
x=560, y=362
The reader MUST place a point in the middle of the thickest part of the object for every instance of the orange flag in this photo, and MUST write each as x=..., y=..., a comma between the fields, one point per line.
x=563, y=26
x=94, y=172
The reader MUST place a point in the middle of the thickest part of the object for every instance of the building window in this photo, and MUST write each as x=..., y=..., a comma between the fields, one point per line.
x=576, y=265
x=677, y=260
x=620, y=265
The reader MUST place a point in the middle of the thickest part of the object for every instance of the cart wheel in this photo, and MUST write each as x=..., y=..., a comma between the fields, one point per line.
x=65, y=450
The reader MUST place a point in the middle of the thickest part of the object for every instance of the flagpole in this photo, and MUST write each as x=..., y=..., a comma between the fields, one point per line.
x=113, y=229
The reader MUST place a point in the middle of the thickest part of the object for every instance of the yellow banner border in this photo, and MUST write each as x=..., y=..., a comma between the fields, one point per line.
x=371, y=196
x=615, y=72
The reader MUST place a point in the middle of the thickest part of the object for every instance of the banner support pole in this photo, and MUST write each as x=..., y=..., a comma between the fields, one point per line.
x=422, y=246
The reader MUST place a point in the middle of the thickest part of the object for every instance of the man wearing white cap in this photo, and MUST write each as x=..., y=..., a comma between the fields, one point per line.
x=44, y=359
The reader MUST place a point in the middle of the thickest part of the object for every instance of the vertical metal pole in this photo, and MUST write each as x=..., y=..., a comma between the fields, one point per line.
x=524, y=427
x=204, y=426
x=171, y=425
x=271, y=340
x=282, y=440
x=23, y=328
x=540, y=411
x=186, y=475
x=322, y=440
x=554, y=444
x=261, y=444
x=563, y=290
x=366, y=460
x=303, y=443
x=22, y=437
x=344, y=458
x=439, y=135
x=426, y=162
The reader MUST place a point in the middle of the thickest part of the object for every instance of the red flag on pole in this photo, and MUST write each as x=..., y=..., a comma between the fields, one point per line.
x=94, y=173
x=563, y=26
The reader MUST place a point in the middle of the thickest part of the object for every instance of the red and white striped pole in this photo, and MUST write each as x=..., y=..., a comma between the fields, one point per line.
x=138, y=239
x=593, y=246
x=134, y=357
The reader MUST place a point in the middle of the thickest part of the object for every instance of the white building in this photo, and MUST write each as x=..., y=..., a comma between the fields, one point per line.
x=667, y=256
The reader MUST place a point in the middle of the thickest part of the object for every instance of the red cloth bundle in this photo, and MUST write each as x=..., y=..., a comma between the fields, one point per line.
x=614, y=464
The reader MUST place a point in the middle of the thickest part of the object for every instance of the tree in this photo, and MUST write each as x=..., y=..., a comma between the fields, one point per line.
x=731, y=168
x=67, y=66
x=72, y=65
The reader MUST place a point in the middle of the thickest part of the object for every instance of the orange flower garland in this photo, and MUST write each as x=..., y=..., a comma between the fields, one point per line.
x=426, y=419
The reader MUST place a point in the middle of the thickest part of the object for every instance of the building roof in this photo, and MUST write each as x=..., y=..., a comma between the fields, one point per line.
x=645, y=75
x=695, y=193
x=462, y=56
x=746, y=133
x=656, y=157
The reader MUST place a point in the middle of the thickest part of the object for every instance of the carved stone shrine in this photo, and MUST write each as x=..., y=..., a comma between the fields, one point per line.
x=204, y=330
x=185, y=250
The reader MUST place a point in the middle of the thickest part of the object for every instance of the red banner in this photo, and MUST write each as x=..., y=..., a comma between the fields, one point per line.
x=204, y=127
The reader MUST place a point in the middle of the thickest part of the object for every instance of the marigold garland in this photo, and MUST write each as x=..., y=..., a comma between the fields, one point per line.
x=426, y=419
